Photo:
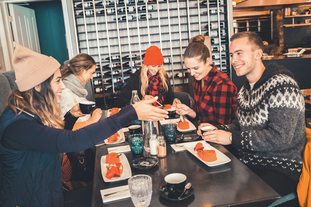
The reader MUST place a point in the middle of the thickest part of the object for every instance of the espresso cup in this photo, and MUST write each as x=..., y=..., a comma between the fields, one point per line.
x=171, y=113
x=87, y=107
x=175, y=184
x=207, y=128
x=135, y=129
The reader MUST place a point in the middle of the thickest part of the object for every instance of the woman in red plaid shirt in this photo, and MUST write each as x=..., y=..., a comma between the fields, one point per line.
x=214, y=94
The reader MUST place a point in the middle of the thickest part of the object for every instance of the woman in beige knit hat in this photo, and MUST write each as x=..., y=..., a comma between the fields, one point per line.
x=32, y=133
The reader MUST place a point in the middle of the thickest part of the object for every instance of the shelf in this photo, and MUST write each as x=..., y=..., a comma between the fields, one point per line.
x=296, y=25
x=302, y=15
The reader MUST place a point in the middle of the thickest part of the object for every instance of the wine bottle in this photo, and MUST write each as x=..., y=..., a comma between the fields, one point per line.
x=97, y=82
x=98, y=90
x=113, y=57
x=144, y=16
x=88, y=4
x=121, y=18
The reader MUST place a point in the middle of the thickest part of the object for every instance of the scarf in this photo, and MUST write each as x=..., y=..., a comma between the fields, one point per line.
x=75, y=85
x=156, y=88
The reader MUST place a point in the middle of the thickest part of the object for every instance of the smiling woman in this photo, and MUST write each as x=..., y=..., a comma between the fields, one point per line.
x=150, y=81
x=214, y=93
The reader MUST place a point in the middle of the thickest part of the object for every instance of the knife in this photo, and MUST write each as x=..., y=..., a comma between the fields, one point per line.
x=108, y=194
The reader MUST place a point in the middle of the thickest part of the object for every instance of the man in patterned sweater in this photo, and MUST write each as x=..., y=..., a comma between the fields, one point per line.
x=269, y=131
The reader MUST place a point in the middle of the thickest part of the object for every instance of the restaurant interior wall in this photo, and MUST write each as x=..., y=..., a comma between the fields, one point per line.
x=117, y=34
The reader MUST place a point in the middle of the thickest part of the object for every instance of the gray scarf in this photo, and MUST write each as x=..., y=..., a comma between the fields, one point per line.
x=75, y=85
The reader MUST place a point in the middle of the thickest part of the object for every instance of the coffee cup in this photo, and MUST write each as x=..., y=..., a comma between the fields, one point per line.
x=135, y=129
x=207, y=128
x=175, y=184
x=87, y=107
x=171, y=113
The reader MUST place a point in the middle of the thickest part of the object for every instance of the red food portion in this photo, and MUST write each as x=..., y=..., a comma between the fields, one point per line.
x=112, y=158
x=111, y=172
x=183, y=125
x=198, y=146
x=114, y=138
x=206, y=155
x=114, y=166
x=167, y=106
x=114, y=111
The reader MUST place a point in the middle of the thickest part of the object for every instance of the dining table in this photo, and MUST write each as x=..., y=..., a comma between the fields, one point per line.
x=230, y=184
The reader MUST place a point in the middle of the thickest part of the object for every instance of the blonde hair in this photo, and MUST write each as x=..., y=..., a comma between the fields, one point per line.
x=41, y=103
x=144, y=78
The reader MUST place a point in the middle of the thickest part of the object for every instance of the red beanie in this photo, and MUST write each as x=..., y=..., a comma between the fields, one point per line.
x=153, y=56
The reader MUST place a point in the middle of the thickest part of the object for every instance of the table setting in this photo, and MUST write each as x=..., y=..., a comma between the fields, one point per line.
x=172, y=166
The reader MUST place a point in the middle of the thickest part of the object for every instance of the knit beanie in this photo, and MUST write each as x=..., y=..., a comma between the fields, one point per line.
x=32, y=68
x=153, y=56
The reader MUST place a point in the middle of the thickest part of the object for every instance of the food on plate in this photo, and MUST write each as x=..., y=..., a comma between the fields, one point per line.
x=176, y=101
x=114, y=138
x=183, y=125
x=167, y=106
x=206, y=155
x=114, y=111
x=113, y=165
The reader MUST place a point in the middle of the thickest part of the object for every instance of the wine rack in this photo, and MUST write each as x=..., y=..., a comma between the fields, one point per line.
x=117, y=33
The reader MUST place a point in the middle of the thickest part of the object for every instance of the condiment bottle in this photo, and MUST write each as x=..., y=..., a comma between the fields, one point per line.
x=154, y=144
x=161, y=147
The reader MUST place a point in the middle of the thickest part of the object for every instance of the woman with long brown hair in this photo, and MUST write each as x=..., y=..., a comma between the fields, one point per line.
x=150, y=81
x=32, y=133
x=75, y=74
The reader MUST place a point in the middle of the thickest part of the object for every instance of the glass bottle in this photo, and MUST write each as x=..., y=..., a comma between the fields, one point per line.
x=161, y=147
x=134, y=98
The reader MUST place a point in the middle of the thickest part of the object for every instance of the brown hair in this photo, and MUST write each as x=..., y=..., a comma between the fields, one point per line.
x=197, y=49
x=42, y=103
x=253, y=37
x=75, y=66
x=144, y=78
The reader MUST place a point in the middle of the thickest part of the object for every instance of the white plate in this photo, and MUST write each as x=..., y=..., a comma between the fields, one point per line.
x=168, y=121
x=120, y=140
x=126, y=169
x=221, y=157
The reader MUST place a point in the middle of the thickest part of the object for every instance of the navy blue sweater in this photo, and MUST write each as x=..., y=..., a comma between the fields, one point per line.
x=29, y=155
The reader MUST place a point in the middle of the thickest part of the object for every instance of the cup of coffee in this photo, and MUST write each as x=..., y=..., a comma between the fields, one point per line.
x=135, y=129
x=171, y=113
x=175, y=184
x=87, y=107
x=207, y=128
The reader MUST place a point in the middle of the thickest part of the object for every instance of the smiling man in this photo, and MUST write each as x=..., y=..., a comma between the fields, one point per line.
x=269, y=131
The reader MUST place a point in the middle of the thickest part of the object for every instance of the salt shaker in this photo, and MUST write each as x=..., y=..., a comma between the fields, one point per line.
x=161, y=147
x=153, y=144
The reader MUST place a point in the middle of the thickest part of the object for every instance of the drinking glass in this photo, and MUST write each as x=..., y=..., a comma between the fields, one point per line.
x=170, y=132
x=140, y=190
x=136, y=142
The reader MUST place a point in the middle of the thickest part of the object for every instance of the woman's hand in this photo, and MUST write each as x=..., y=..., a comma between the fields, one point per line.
x=96, y=115
x=75, y=111
x=203, y=125
x=183, y=109
x=146, y=112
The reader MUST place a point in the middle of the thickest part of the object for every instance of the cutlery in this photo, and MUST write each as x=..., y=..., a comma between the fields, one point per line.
x=159, y=103
x=188, y=186
x=182, y=118
x=109, y=194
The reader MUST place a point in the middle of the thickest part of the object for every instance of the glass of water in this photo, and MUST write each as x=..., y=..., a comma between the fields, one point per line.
x=141, y=190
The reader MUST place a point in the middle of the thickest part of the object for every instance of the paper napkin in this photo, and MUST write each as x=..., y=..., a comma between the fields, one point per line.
x=124, y=148
x=121, y=193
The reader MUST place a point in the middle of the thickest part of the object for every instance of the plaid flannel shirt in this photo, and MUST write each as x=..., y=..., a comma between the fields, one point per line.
x=215, y=103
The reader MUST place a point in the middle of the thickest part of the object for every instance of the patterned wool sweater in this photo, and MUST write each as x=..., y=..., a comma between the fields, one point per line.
x=269, y=131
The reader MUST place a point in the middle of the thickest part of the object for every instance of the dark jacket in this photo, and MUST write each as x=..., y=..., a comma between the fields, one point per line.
x=134, y=83
x=29, y=155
